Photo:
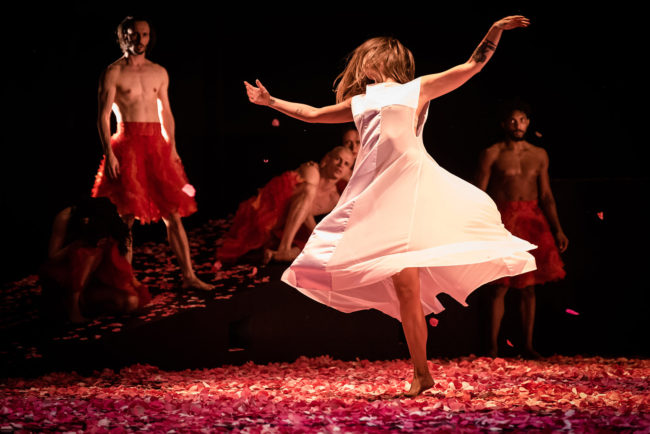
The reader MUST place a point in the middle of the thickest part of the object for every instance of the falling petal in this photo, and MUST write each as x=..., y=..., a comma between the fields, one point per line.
x=572, y=312
x=433, y=321
x=275, y=122
x=600, y=215
x=509, y=343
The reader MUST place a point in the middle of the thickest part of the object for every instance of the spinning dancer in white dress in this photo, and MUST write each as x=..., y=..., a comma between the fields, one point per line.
x=403, y=222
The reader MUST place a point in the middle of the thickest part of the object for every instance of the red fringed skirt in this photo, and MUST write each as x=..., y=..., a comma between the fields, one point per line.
x=260, y=219
x=150, y=185
x=524, y=219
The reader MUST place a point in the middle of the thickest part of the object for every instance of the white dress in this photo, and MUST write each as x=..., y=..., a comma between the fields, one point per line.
x=400, y=209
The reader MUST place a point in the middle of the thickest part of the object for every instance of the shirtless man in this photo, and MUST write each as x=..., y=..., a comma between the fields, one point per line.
x=515, y=173
x=316, y=196
x=286, y=208
x=141, y=172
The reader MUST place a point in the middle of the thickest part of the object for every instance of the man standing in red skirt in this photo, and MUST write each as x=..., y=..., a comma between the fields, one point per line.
x=515, y=173
x=141, y=172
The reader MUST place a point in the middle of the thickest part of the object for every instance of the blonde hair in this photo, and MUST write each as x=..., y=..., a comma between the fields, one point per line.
x=384, y=55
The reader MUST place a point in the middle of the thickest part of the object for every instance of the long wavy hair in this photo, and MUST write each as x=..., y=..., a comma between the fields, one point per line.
x=384, y=55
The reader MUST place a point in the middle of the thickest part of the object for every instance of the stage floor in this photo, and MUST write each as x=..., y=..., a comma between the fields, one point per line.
x=325, y=395
x=140, y=372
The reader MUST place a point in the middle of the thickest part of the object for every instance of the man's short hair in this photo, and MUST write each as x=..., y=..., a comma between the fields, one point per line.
x=128, y=23
x=347, y=128
x=512, y=105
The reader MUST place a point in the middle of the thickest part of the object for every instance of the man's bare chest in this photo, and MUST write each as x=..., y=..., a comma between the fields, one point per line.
x=324, y=202
x=133, y=84
x=521, y=164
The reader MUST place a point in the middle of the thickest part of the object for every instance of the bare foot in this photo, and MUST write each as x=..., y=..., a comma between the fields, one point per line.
x=281, y=255
x=196, y=283
x=419, y=385
x=268, y=256
x=530, y=354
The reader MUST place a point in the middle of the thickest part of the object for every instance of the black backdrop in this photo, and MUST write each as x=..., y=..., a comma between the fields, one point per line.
x=578, y=68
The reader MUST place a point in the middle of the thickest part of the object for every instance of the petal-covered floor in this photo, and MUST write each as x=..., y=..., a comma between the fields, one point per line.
x=324, y=395
x=155, y=266
x=319, y=394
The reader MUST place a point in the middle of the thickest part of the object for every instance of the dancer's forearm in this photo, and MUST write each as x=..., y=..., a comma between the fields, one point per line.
x=296, y=110
x=332, y=114
x=483, y=53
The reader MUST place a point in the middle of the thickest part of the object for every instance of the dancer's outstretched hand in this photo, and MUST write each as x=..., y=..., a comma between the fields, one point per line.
x=257, y=95
x=512, y=22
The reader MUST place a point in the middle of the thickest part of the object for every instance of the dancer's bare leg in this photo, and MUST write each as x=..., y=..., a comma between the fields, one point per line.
x=407, y=288
x=298, y=213
x=498, y=297
x=181, y=248
x=72, y=308
x=129, y=219
x=84, y=270
x=527, y=306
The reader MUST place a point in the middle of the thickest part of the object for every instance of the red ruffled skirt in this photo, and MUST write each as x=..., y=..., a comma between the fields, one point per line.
x=260, y=219
x=150, y=184
x=524, y=219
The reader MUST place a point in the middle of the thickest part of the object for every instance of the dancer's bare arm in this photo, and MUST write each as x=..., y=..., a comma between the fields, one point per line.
x=166, y=116
x=331, y=114
x=487, y=159
x=547, y=202
x=105, y=98
x=435, y=85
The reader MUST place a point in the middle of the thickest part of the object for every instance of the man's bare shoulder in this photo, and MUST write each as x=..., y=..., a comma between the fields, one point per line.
x=156, y=68
x=118, y=65
x=496, y=147
x=122, y=63
x=113, y=70
x=537, y=151
x=492, y=152
x=309, y=172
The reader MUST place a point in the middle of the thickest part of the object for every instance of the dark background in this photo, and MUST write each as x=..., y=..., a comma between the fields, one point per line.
x=579, y=69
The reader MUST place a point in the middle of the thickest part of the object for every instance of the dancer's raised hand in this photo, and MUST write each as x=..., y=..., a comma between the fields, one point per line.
x=512, y=22
x=257, y=95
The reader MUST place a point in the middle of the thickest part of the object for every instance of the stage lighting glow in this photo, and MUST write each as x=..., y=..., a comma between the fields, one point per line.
x=189, y=190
